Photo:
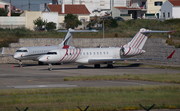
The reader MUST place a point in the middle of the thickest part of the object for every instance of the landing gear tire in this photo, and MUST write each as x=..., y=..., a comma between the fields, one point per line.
x=50, y=67
x=109, y=66
x=20, y=64
x=97, y=65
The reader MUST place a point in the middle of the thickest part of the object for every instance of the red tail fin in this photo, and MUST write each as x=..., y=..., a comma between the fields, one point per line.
x=170, y=56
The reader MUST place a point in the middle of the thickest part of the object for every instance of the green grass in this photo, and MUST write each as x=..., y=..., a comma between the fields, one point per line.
x=170, y=78
x=124, y=29
x=102, y=99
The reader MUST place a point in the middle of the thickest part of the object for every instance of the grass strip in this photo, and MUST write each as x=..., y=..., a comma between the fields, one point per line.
x=170, y=78
x=101, y=99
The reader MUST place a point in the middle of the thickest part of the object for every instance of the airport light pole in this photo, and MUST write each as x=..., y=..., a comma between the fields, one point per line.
x=103, y=31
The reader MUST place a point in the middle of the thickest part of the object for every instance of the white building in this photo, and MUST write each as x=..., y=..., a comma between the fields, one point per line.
x=95, y=7
x=170, y=9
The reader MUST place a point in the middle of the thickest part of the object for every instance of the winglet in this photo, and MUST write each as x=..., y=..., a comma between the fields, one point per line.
x=2, y=51
x=170, y=56
x=171, y=31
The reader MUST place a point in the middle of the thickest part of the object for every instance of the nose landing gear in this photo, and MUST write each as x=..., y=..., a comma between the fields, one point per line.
x=20, y=63
x=50, y=67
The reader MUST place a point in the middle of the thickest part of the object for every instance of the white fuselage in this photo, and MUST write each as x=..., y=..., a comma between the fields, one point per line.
x=80, y=55
x=32, y=53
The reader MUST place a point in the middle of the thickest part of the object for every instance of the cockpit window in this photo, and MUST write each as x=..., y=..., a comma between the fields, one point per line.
x=21, y=51
x=52, y=53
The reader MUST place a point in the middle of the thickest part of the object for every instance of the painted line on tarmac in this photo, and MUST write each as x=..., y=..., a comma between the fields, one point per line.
x=43, y=86
x=127, y=83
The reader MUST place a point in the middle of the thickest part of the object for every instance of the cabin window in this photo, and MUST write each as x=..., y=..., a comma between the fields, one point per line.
x=104, y=53
x=97, y=53
x=94, y=53
x=90, y=53
x=21, y=51
x=83, y=53
x=87, y=53
x=100, y=53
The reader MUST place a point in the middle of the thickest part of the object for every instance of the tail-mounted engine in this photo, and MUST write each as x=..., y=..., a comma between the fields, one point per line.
x=130, y=51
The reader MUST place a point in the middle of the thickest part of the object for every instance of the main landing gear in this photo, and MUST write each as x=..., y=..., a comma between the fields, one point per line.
x=97, y=65
x=109, y=65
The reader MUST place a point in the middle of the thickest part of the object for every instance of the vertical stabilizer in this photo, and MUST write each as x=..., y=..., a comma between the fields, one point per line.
x=139, y=39
x=67, y=39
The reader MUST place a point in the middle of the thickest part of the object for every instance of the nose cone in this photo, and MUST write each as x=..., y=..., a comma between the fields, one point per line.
x=17, y=56
x=42, y=59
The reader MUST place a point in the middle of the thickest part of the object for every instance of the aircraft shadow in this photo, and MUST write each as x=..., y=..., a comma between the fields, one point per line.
x=92, y=67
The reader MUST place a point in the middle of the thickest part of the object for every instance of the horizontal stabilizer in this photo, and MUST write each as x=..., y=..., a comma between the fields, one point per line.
x=2, y=53
x=156, y=31
x=71, y=30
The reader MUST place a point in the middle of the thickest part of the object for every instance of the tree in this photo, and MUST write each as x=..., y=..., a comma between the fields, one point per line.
x=3, y=12
x=71, y=21
x=109, y=23
x=50, y=26
x=40, y=23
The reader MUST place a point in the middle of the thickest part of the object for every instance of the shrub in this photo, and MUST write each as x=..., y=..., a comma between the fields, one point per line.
x=116, y=35
x=50, y=26
x=170, y=42
x=177, y=45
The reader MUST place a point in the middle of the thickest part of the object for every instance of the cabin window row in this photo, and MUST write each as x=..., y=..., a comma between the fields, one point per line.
x=89, y=53
x=41, y=51
x=94, y=53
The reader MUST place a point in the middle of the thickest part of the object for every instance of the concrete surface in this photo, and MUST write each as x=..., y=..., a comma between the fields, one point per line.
x=34, y=76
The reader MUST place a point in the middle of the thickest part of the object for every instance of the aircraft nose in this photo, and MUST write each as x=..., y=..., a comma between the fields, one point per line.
x=42, y=59
x=16, y=56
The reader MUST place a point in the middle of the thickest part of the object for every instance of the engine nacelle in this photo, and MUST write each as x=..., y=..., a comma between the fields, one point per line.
x=130, y=51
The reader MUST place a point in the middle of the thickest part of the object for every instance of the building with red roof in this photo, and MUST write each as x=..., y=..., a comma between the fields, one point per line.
x=170, y=9
x=80, y=10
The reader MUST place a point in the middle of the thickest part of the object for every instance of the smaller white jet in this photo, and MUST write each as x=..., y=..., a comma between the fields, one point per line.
x=99, y=56
x=32, y=53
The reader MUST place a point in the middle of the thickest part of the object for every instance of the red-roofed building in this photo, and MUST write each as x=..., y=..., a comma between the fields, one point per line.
x=170, y=9
x=80, y=10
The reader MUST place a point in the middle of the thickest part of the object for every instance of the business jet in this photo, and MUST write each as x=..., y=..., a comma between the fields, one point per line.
x=99, y=56
x=32, y=53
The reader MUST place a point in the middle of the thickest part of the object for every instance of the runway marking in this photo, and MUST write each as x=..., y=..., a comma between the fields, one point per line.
x=43, y=86
x=127, y=83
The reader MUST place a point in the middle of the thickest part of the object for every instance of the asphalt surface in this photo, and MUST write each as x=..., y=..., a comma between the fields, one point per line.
x=35, y=76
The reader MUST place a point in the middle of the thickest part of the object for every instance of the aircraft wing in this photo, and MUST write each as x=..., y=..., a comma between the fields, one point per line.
x=94, y=61
x=2, y=53
x=71, y=30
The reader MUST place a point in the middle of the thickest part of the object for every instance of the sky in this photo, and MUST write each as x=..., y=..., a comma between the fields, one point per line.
x=24, y=4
